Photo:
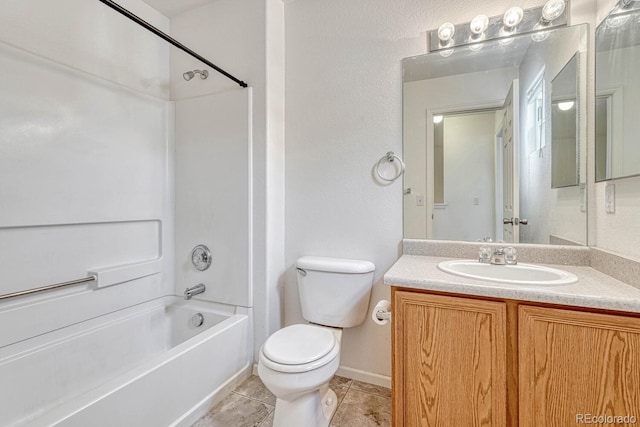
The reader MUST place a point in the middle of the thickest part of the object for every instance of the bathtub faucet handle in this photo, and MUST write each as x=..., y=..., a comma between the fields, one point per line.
x=194, y=290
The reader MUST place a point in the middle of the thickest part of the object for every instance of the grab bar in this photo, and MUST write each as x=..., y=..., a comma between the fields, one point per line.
x=91, y=278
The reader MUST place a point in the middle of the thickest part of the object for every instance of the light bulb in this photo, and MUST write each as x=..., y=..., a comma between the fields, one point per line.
x=446, y=53
x=513, y=17
x=479, y=24
x=506, y=36
x=540, y=35
x=553, y=9
x=506, y=41
x=617, y=21
x=566, y=106
x=475, y=47
x=437, y=119
x=446, y=32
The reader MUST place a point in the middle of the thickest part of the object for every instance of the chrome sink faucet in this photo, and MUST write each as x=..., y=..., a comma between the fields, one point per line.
x=194, y=290
x=504, y=256
x=497, y=258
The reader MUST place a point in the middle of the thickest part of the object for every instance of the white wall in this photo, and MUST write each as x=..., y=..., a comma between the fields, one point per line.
x=86, y=153
x=344, y=111
x=246, y=39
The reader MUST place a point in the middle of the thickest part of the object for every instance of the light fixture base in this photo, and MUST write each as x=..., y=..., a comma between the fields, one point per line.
x=463, y=35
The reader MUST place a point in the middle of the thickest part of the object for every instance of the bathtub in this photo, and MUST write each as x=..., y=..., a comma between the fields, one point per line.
x=148, y=365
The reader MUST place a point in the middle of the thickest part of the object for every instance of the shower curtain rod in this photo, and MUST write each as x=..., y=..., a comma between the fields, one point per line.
x=174, y=42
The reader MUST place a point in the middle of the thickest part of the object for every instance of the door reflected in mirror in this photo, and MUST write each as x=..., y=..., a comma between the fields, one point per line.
x=478, y=141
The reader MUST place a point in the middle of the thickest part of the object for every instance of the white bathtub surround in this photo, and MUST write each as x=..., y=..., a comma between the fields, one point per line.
x=86, y=155
x=214, y=194
x=107, y=371
x=247, y=38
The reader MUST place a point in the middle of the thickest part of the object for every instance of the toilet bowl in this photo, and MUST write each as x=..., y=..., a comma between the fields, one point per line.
x=296, y=363
x=299, y=375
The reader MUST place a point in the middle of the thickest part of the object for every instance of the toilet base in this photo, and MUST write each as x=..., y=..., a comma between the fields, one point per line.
x=313, y=409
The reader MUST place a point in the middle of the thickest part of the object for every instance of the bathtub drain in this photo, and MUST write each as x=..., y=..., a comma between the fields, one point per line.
x=197, y=319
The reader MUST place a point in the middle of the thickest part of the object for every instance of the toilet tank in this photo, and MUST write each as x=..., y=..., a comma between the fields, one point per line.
x=334, y=291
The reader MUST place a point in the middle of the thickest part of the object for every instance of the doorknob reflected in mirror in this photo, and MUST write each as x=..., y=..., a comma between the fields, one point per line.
x=515, y=221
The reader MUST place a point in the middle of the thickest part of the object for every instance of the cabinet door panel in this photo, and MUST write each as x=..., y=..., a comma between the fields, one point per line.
x=449, y=361
x=575, y=364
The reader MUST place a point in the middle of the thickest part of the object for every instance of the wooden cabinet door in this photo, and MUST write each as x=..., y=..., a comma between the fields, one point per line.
x=449, y=361
x=575, y=365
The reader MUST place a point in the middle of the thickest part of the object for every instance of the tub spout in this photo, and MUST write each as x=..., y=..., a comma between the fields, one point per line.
x=194, y=290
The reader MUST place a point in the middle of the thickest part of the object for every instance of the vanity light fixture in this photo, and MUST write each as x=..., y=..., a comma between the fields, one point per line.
x=540, y=34
x=515, y=20
x=552, y=10
x=511, y=18
x=478, y=26
x=437, y=119
x=446, y=53
x=566, y=106
x=616, y=21
x=446, y=32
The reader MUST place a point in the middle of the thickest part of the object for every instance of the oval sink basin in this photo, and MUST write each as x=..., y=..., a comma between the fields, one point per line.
x=521, y=274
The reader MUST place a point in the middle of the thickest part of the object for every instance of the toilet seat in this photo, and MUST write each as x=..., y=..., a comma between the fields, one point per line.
x=299, y=348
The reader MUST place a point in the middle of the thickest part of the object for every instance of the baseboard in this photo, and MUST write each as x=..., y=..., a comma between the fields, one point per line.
x=216, y=396
x=364, y=376
x=354, y=374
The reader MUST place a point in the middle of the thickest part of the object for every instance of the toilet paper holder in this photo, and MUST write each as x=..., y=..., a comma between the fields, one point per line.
x=381, y=313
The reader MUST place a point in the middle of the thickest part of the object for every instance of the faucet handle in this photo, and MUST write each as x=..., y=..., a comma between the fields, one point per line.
x=484, y=254
x=511, y=255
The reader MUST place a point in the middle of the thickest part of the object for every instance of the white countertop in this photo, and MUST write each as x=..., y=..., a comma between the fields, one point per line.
x=593, y=289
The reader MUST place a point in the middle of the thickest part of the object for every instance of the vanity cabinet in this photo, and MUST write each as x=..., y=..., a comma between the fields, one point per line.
x=465, y=361
x=449, y=360
x=576, y=364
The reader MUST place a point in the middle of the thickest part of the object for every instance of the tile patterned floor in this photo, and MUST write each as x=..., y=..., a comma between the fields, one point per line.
x=252, y=405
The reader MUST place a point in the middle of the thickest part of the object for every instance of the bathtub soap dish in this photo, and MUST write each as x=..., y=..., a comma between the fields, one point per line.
x=201, y=257
x=113, y=275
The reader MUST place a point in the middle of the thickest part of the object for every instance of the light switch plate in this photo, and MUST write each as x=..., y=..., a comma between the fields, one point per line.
x=419, y=200
x=610, y=198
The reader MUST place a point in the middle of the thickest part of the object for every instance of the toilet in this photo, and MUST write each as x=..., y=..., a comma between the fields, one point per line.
x=296, y=363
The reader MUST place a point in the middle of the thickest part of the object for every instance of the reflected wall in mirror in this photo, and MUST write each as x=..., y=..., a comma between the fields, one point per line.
x=478, y=141
x=617, y=94
x=564, y=126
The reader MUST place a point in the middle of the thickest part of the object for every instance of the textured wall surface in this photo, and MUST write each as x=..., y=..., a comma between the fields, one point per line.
x=343, y=112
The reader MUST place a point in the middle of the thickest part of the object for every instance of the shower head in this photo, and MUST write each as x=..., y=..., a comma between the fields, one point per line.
x=191, y=74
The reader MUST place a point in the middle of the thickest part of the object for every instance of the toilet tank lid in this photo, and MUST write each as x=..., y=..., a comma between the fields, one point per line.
x=335, y=265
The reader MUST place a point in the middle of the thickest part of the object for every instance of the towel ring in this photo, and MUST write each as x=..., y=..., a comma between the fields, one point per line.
x=390, y=157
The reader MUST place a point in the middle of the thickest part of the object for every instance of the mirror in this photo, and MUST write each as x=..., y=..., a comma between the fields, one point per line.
x=483, y=158
x=617, y=93
x=564, y=126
